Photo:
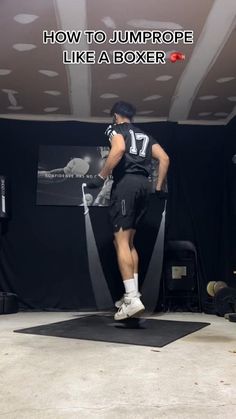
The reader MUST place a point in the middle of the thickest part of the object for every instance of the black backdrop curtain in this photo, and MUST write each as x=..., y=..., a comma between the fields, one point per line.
x=43, y=254
x=198, y=205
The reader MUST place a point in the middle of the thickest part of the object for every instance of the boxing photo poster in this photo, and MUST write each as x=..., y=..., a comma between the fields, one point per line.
x=62, y=170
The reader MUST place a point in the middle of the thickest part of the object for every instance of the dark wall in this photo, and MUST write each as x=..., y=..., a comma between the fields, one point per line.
x=231, y=193
x=43, y=252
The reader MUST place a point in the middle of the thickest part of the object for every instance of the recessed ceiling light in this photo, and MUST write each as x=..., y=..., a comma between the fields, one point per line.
x=24, y=47
x=204, y=113
x=10, y=91
x=144, y=112
x=106, y=111
x=4, y=72
x=232, y=98
x=10, y=94
x=50, y=109
x=109, y=22
x=52, y=92
x=153, y=97
x=108, y=96
x=48, y=73
x=153, y=24
x=221, y=114
x=15, y=108
x=225, y=79
x=116, y=76
x=207, y=97
x=24, y=18
x=164, y=78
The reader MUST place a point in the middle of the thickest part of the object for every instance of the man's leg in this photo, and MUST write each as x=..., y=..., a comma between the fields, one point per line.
x=122, y=240
x=135, y=258
x=134, y=253
x=131, y=304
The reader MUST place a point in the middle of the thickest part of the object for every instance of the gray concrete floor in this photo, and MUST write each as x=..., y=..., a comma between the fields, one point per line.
x=55, y=378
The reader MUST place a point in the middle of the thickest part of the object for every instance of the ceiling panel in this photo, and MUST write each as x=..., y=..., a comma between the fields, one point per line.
x=140, y=81
x=34, y=82
x=219, y=82
x=24, y=77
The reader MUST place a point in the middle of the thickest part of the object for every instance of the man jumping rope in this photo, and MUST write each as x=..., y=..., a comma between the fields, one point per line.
x=129, y=161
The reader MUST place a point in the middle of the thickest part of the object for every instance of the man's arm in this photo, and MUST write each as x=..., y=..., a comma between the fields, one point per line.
x=115, y=155
x=159, y=154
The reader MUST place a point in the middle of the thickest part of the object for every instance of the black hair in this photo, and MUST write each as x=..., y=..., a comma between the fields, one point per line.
x=124, y=109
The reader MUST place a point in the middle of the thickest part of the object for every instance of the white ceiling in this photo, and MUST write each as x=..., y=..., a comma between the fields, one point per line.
x=35, y=84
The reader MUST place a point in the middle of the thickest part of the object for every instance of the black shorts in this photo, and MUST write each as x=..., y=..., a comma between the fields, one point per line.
x=129, y=199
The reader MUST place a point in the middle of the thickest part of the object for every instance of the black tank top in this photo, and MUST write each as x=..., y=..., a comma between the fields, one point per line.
x=138, y=150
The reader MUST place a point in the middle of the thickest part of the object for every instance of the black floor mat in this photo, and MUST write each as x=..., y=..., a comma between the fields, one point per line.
x=144, y=332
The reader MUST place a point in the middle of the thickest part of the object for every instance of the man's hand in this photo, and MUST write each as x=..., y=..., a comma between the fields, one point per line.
x=97, y=182
x=161, y=194
x=109, y=130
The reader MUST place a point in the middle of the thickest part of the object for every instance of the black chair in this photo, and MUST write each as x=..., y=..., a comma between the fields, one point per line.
x=180, y=278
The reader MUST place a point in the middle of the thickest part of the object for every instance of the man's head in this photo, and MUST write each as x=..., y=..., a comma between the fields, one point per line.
x=122, y=112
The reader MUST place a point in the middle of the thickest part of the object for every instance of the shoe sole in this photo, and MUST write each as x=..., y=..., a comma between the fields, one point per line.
x=136, y=313
x=141, y=311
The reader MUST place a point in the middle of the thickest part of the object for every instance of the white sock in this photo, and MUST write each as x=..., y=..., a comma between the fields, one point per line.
x=136, y=281
x=130, y=287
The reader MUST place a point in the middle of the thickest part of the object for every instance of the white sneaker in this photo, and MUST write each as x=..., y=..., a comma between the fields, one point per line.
x=120, y=302
x=129, y=308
